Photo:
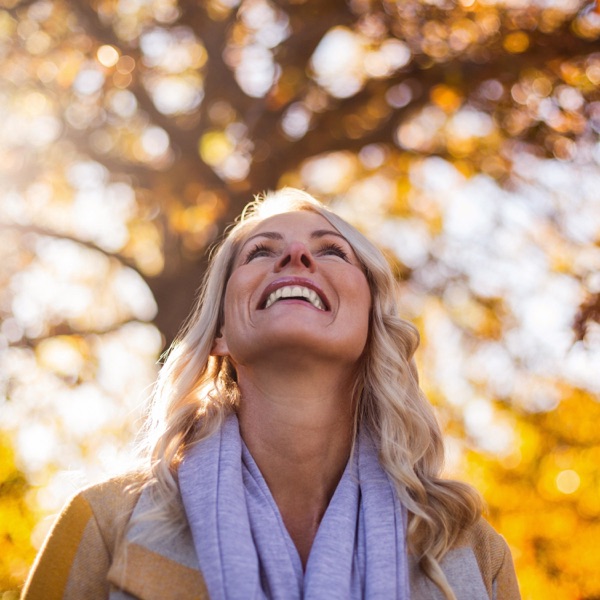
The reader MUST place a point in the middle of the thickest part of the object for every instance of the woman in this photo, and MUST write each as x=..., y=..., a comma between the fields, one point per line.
x=291, y=451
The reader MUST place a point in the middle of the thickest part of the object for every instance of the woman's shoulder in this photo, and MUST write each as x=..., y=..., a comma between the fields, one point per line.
x=78, y=551
x=485, y=540
x=107, y=504
x=493, y=557
x=116, y=493
x=112, y=501
x=479, y=565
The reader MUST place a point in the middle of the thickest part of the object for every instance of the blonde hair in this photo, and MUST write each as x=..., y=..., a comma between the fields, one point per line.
x=195, y=391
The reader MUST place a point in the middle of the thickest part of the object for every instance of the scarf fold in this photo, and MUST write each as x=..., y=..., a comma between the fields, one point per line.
x=245, y=551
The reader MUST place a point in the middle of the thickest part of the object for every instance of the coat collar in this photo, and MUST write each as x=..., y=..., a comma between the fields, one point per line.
x=155, y=564
x=152, y=564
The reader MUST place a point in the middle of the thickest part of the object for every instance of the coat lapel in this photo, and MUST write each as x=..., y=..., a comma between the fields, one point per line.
x=151, y=564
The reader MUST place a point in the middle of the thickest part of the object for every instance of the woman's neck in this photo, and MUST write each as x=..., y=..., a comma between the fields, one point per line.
x=299, y=430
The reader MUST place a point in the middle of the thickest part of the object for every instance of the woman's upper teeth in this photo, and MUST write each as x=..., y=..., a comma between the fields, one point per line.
x=295, y=291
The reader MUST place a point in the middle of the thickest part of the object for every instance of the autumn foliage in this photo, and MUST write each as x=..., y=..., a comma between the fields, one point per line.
x=460, y=135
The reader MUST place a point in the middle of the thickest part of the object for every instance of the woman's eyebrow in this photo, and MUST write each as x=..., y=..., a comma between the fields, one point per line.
x=274, y=235
x=319, y=233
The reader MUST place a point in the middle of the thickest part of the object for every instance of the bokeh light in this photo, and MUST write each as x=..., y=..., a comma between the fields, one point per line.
x=462, y=137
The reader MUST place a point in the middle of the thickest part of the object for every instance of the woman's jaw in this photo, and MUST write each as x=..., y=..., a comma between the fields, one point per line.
x=296, y=292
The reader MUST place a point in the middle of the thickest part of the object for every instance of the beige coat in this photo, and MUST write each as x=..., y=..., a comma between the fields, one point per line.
x=87, y=556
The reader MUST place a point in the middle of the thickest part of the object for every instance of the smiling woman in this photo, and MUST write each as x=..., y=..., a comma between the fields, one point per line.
x=296, y=286
x=290, y=453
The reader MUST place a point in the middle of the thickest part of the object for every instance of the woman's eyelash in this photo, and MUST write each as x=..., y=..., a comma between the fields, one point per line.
x=336, y=249
x=327, y=248
x=256, y=251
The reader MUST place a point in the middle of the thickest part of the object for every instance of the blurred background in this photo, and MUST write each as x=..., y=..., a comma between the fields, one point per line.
x=460, y=135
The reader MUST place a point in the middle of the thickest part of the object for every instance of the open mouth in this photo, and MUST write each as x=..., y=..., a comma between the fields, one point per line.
x=296, y=292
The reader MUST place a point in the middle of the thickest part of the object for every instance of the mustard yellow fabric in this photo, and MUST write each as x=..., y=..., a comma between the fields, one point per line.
x=86, y=556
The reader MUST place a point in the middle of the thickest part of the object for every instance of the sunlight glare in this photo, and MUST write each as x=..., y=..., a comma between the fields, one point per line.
x=336, y=62
x=568, y=481
x=107, y=55
x=329, y=173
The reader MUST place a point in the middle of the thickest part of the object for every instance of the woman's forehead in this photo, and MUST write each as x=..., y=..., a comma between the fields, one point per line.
x=300, y=220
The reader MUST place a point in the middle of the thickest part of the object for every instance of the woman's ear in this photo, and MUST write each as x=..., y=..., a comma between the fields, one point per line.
x=219, y=347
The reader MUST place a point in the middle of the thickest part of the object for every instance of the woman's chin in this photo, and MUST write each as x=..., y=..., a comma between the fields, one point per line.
x=301, y=347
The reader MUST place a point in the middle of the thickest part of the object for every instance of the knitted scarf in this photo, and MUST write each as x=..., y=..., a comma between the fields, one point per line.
x=245, y=551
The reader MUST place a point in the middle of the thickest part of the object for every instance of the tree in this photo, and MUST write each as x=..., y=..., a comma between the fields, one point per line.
x=463, y=135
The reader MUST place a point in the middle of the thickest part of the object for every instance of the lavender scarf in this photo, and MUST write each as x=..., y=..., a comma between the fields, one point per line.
x=245, y=551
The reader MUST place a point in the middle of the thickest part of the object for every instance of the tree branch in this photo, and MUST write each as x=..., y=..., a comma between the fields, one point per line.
x=125, y=261
x=185, y=142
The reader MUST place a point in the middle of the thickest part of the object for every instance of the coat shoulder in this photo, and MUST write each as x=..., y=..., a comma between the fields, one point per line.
x=493, y=558
x=78, y=551
x=112, y=503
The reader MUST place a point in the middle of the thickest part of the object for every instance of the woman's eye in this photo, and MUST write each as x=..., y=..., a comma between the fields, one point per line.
x=256, y=252
x=334, y=250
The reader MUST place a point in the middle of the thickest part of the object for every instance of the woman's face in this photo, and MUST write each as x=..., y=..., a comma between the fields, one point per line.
x=296, y=287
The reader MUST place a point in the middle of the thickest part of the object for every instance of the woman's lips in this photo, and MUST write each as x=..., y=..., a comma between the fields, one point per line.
x=294, y=287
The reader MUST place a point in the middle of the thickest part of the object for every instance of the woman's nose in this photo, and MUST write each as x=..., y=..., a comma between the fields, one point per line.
x=296, y=254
